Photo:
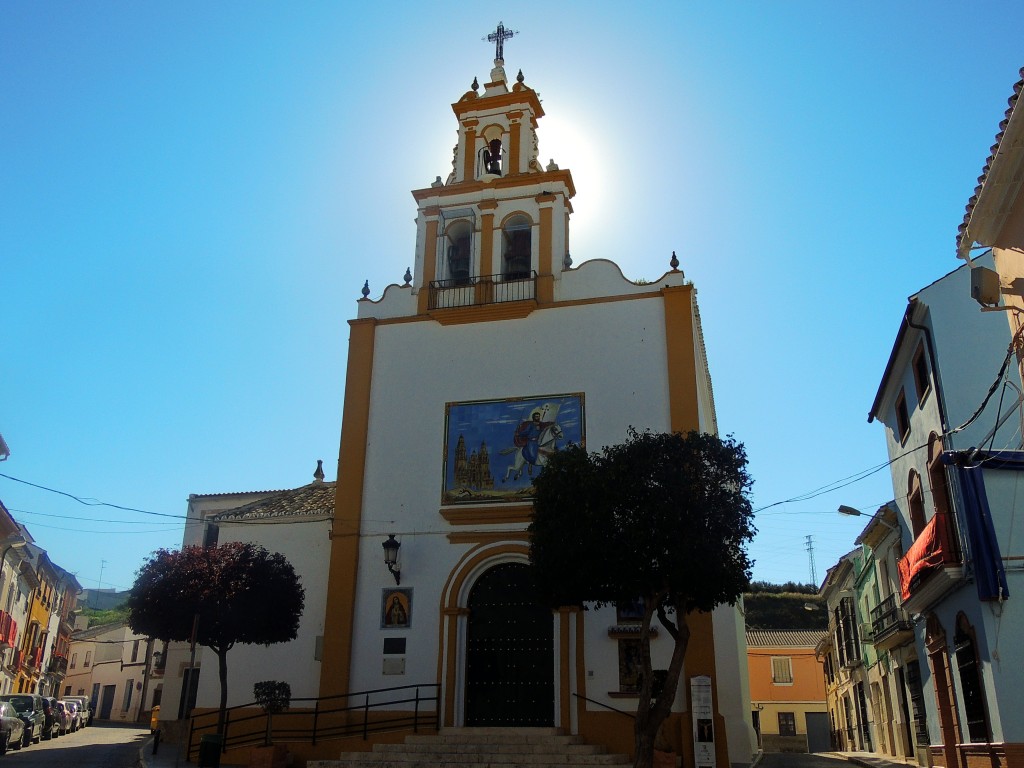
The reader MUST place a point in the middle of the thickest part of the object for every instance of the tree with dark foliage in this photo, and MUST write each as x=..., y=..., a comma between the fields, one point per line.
x=232, y=593
x=661, y=517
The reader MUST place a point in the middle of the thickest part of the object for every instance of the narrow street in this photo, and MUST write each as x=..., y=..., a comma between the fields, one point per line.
x=98, y=746
x=802, y=760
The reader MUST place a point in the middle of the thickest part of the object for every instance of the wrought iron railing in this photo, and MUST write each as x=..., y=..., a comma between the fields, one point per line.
x=888, y=617
x=404, y=708
x=478, y=291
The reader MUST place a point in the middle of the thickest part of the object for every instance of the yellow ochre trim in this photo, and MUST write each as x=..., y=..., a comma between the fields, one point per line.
x=486, y=241
x=468, y=154
x=682, y=360
x=429, y=264
x=507, y=310
x=339, y=619
x=474, y=515
x=544, y=257
x=515, y=140
x=484, y=537
x=526, y=98
x=468, y=185
x=564, y=651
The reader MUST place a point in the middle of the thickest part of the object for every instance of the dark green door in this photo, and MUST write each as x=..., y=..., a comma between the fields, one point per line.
x=510, y=664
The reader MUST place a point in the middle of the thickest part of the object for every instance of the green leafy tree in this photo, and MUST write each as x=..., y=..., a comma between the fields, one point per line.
x=661, y=517
x=233, y=593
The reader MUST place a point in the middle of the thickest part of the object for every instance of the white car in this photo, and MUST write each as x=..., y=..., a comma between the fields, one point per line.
x=12, y=728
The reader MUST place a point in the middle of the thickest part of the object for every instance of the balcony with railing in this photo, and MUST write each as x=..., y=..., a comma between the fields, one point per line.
x=482, y=291
x=890, y=626
x=58, y=665
x=932, y=565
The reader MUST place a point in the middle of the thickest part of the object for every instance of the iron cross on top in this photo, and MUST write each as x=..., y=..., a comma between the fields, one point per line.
x=498, y=37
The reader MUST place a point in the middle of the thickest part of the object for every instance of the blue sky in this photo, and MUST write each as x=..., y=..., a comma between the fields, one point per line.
x=193, y=194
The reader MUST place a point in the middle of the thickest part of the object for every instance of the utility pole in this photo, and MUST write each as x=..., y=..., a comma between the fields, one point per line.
x=99, y=583
x=809, y=546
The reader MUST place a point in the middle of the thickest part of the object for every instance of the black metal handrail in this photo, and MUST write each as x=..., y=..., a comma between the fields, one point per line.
x=606, y=706
x=476, y=291
x=327, y=717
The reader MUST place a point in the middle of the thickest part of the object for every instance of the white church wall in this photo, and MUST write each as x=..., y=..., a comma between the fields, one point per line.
x=418, y=368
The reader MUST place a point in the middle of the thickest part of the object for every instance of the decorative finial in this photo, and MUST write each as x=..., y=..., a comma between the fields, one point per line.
x=366, y=289
x=476, y=85
x=519, y=77
x=498, y=37
x=567, y=261
x=408, y=275
x=674, y=262
x=318, y=476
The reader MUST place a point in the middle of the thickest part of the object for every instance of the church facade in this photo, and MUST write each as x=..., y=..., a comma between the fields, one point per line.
x=496, y=351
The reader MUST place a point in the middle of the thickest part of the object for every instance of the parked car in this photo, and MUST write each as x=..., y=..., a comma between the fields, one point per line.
x=50, y=728
x=74, y=713
x=63, y=718
x=12, y=728
x=29, y=707
x=84, y=708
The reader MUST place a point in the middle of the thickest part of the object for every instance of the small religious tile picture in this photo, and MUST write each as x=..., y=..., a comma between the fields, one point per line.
x=396, y=609
x=493, y=449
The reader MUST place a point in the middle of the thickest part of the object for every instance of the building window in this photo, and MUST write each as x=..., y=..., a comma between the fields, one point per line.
x=970, y=680
x=516, y=249
x=922, y=382
x=787, y=724
x=458, y=252
x=782, y=670
x=135, y=651
x=88, y=659
x=902, y=417
x=74, y=660
x=128, y=688
x=630, y=666
x=937, y=475
x=67, y=690
x=915, y=498
x=211, y=535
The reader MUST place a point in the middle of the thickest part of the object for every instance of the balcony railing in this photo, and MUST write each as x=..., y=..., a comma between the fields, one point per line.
x=932, y=565
x=890, y=625
x=58, y=665
x=478, y=291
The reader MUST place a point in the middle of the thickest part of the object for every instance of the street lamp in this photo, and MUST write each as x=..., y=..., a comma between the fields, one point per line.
x=391, y=547
x=852, y=512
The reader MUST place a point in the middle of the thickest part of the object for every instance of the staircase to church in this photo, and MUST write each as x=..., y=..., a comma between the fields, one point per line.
x=480, y=748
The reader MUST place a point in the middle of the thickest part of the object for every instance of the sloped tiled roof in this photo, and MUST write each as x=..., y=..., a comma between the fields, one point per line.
x=313, y=500
x=993, y=153
x=784, y=638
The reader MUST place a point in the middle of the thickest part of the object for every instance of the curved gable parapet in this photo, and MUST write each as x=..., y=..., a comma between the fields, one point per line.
x=396, y=301
x=602, y=277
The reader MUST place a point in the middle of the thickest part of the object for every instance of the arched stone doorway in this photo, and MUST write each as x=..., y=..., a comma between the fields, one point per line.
x=509, y=652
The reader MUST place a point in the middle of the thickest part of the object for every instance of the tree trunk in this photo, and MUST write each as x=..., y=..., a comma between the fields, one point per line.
x=650, y=714
x=222, y=668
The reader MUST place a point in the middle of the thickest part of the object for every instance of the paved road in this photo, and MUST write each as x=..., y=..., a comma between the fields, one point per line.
x=794, y=760
x=98, y=746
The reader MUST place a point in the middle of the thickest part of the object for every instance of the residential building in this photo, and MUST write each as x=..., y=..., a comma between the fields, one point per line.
x=113, y=666
x=951, y=406
x=787, y=690
x=297, y=523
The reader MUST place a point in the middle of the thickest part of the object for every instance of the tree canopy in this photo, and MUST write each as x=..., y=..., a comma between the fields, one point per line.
x=232, y=593
x=661, y=517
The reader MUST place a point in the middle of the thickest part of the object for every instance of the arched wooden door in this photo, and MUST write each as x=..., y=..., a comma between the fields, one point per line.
x=509, y=652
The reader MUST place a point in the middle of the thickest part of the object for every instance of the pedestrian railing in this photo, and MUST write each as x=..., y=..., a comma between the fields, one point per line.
x=403, y=708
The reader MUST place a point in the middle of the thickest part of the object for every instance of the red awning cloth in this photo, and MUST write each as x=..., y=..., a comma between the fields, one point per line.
x=926, y=552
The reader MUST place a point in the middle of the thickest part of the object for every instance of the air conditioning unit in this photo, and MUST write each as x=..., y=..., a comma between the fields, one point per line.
x=985, y=286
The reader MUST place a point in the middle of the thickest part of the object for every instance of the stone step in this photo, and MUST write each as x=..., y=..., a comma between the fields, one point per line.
x=454, y=739
x=428, y=763
x=479, y=747
x=469, y=758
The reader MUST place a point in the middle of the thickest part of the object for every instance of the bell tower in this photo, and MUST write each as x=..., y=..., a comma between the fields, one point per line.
x=497, y=229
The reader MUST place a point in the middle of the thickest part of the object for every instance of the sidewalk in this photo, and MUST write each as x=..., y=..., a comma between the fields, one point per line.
x=167, y=756
x=871, y=760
